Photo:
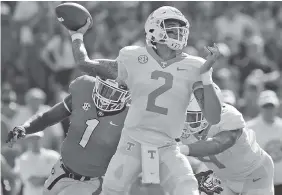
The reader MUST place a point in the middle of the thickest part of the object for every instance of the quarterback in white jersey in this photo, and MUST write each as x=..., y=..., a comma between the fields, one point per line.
x=160, y=78
x=229, y=149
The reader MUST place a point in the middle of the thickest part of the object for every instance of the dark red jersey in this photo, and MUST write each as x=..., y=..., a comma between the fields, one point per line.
x=93, y=137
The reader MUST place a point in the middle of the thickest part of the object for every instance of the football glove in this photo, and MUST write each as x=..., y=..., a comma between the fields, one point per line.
x=208, y=183
x=17, y=133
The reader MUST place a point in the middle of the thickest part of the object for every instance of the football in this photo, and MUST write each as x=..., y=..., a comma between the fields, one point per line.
x=72, y=15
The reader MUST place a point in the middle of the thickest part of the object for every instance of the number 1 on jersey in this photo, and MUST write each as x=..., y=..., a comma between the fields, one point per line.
x=91, y=125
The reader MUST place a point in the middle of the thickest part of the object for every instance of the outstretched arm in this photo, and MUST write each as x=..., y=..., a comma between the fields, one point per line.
x=209, y=98
x=212, y=146
x=41, y=121
x=46, y=119
x=209, y=103
x=102, y=67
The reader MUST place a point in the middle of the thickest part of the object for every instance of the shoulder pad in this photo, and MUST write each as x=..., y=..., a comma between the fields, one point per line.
x=130, y=49
x=82, y=79
x=130, y=52
x=197, y=61
x=251, y=123
x=231, y=118
x=52, y=154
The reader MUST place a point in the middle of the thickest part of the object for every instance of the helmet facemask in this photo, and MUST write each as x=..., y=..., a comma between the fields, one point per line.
x=195, y=120
x=108, y=96
x=158, y=32
x=174, y=37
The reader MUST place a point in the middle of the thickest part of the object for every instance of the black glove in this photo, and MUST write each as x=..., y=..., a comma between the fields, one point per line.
x=208, y=183
x=17, y=133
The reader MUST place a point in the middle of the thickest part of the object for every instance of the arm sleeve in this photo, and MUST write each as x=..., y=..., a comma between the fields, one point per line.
x=75, y=84
x=231, y=119
x=46, y=119
x=215, y=145
x=68, y=103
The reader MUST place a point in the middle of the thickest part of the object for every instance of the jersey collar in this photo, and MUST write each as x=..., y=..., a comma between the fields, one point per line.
x=162, y=62
x=101, y=113
x=202, y=135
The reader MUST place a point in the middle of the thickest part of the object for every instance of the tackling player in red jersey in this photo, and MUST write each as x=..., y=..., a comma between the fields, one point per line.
x=96, y=117
x=97, y=110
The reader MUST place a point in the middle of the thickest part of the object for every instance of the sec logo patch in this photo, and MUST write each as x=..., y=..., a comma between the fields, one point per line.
x=143, y=59
x=86, y=106
x=53, y=171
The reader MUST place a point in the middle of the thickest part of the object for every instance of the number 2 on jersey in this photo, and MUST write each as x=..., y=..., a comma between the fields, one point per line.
x=91, y=125
x=151, y=103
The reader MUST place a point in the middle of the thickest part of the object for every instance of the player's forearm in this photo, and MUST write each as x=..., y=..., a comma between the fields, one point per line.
x=81, y=57
x=102, y=67
x=205, y=148
x=212, y=146
x=212, y=105
x=41, y=121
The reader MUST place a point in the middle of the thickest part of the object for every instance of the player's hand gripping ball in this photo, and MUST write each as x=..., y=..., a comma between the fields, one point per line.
x=73, y=16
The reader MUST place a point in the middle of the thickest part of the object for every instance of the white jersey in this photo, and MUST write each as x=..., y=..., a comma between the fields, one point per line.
x=239, y=160
x=160, y=93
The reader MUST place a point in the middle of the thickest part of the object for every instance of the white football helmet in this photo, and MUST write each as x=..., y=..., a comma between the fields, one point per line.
x=156, y=30
x=195, y=120
x=108, y=96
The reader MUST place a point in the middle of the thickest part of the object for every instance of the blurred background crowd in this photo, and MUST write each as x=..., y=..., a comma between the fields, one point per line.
x=37, y=64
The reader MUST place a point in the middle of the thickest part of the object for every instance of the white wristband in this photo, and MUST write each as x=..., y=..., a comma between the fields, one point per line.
x=77, y=36
x=207, y=78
